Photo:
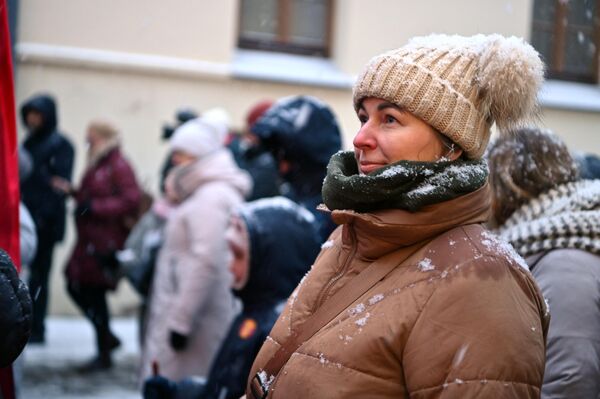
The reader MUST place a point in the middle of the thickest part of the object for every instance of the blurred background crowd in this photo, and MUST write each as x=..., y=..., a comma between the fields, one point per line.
x=171, y=158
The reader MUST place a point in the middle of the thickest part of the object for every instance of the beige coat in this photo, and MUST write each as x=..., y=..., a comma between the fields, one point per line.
x=460, y=318
x=191, y=288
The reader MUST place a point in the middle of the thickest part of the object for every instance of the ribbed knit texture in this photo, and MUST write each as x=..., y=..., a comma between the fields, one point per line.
x=408, y=185
x=567, y=216
x=458, y=85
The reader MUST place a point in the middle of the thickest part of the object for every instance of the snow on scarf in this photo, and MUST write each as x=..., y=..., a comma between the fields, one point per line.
x=567, y=216
x=408, y=185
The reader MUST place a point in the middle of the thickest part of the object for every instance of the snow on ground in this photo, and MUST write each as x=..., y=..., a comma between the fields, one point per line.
x=50, y=370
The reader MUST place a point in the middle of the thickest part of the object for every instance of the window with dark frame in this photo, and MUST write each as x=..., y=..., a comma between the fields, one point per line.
x=287, y=26
x=567, y=35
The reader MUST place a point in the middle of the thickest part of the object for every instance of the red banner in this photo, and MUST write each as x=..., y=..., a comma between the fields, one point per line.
x=9, y=175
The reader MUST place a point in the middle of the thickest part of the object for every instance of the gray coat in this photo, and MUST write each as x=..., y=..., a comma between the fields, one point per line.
x=570, y=282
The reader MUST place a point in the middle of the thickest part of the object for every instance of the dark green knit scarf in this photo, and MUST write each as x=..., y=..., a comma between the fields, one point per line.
x=408, y=185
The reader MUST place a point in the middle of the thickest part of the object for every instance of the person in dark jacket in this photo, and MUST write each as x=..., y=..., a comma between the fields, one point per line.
x=107, y=194
x=273, y=242
x=302, y=133
x=52, y=155
x=253, y=157
x=15, y=312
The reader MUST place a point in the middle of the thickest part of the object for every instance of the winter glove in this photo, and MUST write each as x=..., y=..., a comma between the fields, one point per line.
x=178, y=341
x=158, y=387
x=83, y=208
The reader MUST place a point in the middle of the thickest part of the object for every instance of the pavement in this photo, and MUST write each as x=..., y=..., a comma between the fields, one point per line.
x=50, y=370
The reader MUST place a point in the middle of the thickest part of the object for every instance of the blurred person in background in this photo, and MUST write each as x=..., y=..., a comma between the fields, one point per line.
x=552, y=218
x=53, y=156
x=273, y=242
x=28, y=245
x=302, y=133
x=108, y=193
x=588, y=165
x=182, y=115
x=27, y=231
x=140, y=252
x=191, y=305
x=251, y=155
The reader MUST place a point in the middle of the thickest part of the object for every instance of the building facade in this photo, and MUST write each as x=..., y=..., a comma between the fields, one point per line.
x=135, y=62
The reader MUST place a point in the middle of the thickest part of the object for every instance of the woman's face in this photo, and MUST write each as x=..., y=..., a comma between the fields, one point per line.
x=179, y=157
x=239, y=246
x=390, y=134
x=93, y=139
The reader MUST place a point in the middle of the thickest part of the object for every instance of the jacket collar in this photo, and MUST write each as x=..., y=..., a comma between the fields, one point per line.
x=378, y=233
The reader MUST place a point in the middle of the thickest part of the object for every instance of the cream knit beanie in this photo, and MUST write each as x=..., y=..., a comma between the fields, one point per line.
x=459, y=85
x=198, y=137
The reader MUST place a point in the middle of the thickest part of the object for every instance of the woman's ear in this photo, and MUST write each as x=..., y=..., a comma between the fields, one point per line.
x=454, y=154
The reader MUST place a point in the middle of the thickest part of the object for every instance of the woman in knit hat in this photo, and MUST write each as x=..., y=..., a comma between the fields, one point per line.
x=411, y=296
x=191, y=305
x=553, y=220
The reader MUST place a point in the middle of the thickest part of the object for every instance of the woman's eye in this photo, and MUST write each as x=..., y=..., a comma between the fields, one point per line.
x=363, y=119
x=390, y=119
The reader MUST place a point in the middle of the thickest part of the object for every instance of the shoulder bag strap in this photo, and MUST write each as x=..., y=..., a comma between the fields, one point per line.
x=354, y=289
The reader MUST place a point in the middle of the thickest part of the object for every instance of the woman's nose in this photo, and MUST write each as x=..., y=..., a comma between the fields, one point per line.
x=365, y=137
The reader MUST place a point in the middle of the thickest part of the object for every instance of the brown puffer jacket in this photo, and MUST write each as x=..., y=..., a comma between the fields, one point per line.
x=460, y=318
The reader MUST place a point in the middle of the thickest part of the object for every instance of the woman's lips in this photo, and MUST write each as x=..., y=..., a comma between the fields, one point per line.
x=368, y=167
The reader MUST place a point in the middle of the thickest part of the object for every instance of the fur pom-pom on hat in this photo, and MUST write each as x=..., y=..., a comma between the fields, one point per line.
x=459, y=85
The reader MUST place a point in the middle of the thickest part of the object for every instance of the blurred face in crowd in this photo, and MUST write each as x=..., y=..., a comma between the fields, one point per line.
x=179, y=157
x=93, y=139
x=34, y=120
x=170, y=192
x=239, y=246
x=390, y=134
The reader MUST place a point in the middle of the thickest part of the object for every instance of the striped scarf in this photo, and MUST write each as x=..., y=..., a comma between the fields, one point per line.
x=567, y=216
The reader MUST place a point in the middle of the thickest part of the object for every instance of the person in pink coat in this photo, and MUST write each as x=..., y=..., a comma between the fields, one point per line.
x=191, y=304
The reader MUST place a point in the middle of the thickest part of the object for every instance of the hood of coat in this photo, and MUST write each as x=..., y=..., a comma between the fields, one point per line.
x=45, y=105
x=216, y=167
x=378, y=233
x=303, y=131
x=284, y=242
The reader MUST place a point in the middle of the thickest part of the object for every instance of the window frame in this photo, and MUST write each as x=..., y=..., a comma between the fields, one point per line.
x=560, y=30
x=282, y=43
